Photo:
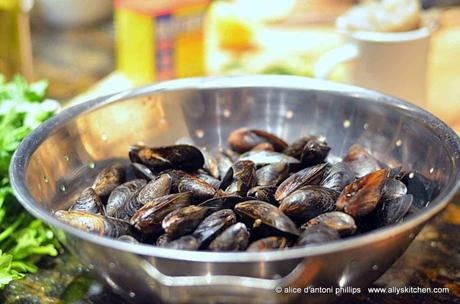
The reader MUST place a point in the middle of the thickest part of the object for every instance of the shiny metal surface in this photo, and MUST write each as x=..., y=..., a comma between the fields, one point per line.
x=63, y=155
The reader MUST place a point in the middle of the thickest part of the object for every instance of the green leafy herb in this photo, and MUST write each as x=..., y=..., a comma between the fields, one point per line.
x=23, y=239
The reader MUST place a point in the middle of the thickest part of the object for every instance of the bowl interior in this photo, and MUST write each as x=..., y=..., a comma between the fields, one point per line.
x=78, y=147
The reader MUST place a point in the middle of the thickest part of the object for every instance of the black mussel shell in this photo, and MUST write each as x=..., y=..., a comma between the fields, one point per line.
x=234, y=238
x=244, y=139
x=108, y=179
x=363, y=195
x=121, y=194
x=264, y=193
x=316, y=234
x=213, y=225
x=88, y=201
x=314, y=152
x=184, y=220
x=308, y=176
x=423, y=189
x=393, y=188
x=341, y=222
x=393, y=210
x=255, y=213
x=157, y=187
x=183, y=157
x=198, y=188
x=211, y=164
x=297, y=147
x=308, y=202
x=272, y=175
x=176, y=177
x=239, y=179
x=338, y=176
x=187, y=242
x=214, y=182
x=361, y=160
x=148, y=218
x=95, y=223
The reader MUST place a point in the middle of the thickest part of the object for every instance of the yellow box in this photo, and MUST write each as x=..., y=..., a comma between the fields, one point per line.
x=159, y=39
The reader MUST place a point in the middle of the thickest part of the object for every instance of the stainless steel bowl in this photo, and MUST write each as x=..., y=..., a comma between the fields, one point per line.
x=63, y=155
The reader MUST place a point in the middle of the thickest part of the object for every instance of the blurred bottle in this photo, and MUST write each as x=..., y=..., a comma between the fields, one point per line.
x=15, y=44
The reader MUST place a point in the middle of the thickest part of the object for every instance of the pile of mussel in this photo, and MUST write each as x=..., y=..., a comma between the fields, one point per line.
x=259, y=194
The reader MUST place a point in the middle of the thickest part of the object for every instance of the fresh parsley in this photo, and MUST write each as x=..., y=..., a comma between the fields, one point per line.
x=23, y=239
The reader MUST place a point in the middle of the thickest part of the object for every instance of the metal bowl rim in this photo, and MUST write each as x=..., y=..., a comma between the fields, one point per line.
x=36, y=137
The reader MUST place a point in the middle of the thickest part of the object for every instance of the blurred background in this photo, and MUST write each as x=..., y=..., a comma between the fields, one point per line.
x=86, y=48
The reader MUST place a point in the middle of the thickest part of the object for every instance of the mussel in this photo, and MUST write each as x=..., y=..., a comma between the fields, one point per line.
x=186, y=242
x=109, y=178
x=244, y=139
x=264, y=193
x=393, y=210
x=148, y=218
x=393, y=188
x=131, y=205
x=95, y=223
x=314, y=152
x=154, y=189
x=240, y=178
x=308, y=202
x=308, y=176
x=341, y=222
x=211, y=164
x=214, y=182
x=361, y=160
x=363, y=195
x=259, y=214
x=198, y=188
x=224, y=162
x=184, y=157
x=422, y=189
x=272, y=175
x=176, y=177
x=121, y=194
x=234, y=238
x=316, y=234
x=213, y=225
x=184, y=220
x=263, y=158
x=88, y=201
x=297, y=147
x=338, y=176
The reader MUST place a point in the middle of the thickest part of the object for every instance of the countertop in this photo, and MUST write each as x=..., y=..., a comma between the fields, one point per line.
x=74, y=60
